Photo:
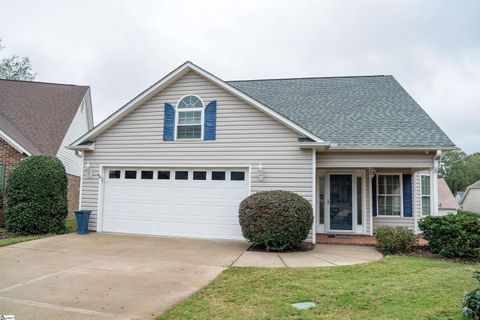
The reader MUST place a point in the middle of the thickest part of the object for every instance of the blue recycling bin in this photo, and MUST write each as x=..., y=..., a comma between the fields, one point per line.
x=82, y=217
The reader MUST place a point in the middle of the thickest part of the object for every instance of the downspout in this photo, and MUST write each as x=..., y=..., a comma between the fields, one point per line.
x=370, y=176
x=436, y=166
x=314, y=195
x=81, y=181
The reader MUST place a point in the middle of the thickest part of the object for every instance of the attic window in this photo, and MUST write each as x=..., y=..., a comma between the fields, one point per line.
x=189, y=118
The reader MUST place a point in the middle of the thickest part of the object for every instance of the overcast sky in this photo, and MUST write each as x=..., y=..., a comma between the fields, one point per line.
x=119, y=48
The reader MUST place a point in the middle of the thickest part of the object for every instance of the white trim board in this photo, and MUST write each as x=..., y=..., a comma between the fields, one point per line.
x=14, y=143
x=172, y=77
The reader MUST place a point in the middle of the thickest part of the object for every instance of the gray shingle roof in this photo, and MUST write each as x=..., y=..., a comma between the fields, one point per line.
x=364, y=111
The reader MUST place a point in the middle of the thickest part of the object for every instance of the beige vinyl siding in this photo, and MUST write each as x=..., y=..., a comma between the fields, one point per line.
x=472, y=201
x=78, y=127
x=245, y=137
x=373, y=160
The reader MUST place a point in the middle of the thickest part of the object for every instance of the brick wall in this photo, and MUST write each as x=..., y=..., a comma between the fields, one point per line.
x=10, y=157
x=73, y=194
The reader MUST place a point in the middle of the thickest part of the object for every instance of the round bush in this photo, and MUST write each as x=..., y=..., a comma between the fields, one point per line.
x=277, y=220
x=395, y=240
x=453, y=236
x=37, y=197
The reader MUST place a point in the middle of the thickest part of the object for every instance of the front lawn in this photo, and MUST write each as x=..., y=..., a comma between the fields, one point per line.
x=398, y=287
x=8, y=238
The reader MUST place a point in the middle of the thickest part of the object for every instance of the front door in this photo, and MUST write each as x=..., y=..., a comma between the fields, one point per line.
x=341, y=204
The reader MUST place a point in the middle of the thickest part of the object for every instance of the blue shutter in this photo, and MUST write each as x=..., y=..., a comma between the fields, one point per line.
x=374, y=196
x=407, y=195
x=209, y=131
x=169, y=123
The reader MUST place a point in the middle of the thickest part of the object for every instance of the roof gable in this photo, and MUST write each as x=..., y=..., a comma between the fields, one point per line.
x=366, y=112
x=37, y=115
x=171, y=78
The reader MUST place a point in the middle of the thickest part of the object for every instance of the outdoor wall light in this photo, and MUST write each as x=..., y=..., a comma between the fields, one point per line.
x=87, y=171
x=260, y=172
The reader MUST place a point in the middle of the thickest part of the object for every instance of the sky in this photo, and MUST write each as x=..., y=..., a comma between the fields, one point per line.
x=119, y=48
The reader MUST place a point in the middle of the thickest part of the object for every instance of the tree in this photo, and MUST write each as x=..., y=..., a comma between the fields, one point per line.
x=459, y=169
x=16, y=68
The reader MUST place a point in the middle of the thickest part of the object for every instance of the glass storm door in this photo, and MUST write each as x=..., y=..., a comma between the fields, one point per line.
x=341, y=213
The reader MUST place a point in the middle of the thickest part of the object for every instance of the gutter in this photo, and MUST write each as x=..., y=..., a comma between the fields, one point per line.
x=83, y=147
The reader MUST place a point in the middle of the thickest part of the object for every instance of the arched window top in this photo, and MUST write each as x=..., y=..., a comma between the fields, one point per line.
x=190, y=102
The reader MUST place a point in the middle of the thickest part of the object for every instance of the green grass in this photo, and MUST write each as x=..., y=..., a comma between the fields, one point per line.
x=17, y=239
x=398, y=287
x=71, y=227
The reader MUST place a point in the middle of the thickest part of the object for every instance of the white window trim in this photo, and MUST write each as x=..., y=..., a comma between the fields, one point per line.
x=202, y=110
x=422, y=195
x=401, y=194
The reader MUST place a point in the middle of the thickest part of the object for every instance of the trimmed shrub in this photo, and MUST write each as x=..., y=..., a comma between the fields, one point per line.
x=277, y=220
x=37, y=197
x=471, y=301
x=453, y=236
x=395, y=240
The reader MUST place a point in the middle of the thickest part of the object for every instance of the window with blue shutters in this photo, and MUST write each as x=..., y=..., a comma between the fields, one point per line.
x=189, y=117
x=190, y=120
x=389, y=195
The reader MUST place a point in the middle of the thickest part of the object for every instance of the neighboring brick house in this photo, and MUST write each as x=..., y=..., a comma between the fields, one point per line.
x=42, y=118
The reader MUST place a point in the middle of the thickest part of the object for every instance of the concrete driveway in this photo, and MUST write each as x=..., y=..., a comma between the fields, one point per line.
x=101, y=276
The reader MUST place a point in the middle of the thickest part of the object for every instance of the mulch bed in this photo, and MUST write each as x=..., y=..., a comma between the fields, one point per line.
x=5, y=234
x=426, y=253
x=304, y=247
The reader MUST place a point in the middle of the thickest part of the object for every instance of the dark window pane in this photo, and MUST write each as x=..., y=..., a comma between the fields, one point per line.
x=218, y=175
x=147, y=174
x=321, y=193
x=181, y=175
x=114, y=174
x=130, y=174
x=199, y=175
x=163, y=175
x=189, y=132
x=359, y=201
x=237, y=175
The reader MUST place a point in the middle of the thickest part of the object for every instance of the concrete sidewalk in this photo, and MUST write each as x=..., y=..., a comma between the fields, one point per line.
x=323, y=255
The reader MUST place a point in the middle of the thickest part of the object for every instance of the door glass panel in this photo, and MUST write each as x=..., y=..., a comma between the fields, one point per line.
x=359, y=202
x=321, y=200
x=341, y=215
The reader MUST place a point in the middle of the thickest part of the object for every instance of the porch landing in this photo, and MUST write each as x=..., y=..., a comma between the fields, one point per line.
x=355, y=240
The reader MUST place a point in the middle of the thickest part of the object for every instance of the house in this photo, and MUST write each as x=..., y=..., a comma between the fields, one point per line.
x=471, y=198
x=42, y=118
x=178, y=159
x=446, y=201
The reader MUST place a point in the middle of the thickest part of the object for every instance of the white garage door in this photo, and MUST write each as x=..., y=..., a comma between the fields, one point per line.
x=177, y=202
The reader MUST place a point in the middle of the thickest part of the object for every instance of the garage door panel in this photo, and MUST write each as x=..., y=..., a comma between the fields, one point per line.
x=192, y=208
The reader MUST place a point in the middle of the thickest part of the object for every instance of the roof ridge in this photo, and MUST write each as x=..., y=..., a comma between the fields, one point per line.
x=300, y=78
x=44, y=82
